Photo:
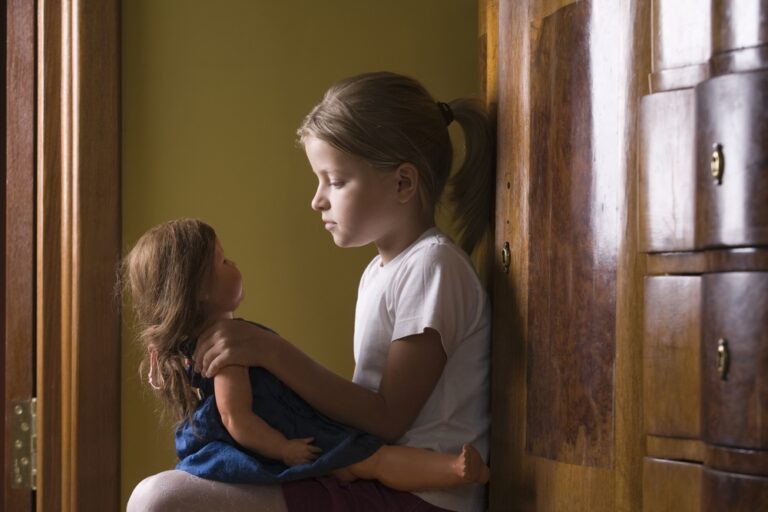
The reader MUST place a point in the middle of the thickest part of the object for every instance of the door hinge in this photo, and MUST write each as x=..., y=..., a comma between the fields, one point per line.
x=24, y=444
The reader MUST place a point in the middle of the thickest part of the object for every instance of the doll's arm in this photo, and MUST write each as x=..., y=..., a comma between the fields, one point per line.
x=234, y=400
x=414, y=365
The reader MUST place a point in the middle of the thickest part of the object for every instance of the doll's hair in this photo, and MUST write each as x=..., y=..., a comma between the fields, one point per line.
x=163, y=275
x=390, y=119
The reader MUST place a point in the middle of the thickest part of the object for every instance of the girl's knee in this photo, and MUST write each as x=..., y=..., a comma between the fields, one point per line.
x=154, y=493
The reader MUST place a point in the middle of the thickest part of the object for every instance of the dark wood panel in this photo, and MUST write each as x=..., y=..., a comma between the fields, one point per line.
x=733, y=492
x=737, y=460
x=681, y=43
x=690, y=450
x=739, y=61
x=671, y=357
x=3, y=160
x=680, y=33
x=670, y=486
x=572, y=296
x=667, y=171
x=678, y=78
x=711, y=260
x=52, y=441
x=735, y=401
x=18, y=380
x=738, y=24
x=732, y=210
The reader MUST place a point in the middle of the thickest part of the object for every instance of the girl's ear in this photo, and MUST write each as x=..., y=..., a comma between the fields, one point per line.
x=407, y=182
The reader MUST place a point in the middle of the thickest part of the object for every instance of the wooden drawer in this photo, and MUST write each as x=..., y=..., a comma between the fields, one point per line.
x=735, y=401
x=671, y=486
x=733, y=492
x=671, y=378
x=738, y=24
x=667, y=171
x=681, y=43
x=732, y=209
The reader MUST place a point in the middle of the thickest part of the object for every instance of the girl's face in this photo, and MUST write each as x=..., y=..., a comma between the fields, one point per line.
x=224, y=289
x=358, y=203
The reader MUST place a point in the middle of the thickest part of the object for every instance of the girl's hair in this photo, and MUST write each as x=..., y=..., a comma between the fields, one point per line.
x=390, y=119
x=163, y=275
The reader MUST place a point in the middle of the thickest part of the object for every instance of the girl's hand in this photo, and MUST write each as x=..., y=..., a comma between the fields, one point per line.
x=299, y=451
x=232, y=342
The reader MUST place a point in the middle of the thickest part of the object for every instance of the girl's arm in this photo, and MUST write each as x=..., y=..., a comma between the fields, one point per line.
x=414, y=365
x=232, y=387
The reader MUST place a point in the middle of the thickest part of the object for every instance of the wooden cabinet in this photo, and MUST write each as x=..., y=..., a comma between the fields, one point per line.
x=703, y=224
x=621, y=262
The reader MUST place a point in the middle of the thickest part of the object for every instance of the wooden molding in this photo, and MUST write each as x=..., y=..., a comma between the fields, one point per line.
x=78, y=247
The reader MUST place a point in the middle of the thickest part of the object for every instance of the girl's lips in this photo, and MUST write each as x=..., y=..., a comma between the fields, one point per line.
x=329, y=225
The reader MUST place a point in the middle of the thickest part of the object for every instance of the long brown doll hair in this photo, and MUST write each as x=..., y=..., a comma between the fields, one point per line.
x=163, y=275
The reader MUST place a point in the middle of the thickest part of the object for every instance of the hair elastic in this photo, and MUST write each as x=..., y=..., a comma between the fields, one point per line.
x=447, y=112
x=154, y=375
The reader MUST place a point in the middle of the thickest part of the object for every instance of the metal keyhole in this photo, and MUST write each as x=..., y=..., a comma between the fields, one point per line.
x=717, y=164
x=506, y=257
x=723, y=358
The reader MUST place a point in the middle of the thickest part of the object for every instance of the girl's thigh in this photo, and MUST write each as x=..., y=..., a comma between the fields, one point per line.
x=329, y=494
x=177, y=491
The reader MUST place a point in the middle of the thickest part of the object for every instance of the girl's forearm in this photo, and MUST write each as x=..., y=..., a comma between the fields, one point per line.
x=331, y=394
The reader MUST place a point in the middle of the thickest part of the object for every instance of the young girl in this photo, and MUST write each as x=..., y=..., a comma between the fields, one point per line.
x=180, y=283
x=378, y=144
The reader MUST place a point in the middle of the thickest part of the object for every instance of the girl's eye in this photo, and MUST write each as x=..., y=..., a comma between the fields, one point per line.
x=337, y=184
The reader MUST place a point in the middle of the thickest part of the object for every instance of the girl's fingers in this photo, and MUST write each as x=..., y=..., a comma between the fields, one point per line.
x=205, y=364
x=212, y=363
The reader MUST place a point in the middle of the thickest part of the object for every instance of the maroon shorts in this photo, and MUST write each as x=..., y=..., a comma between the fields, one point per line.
x=329, y=494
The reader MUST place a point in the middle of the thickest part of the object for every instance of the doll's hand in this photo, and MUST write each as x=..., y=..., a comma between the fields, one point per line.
x=232, y=342
x=299, y=451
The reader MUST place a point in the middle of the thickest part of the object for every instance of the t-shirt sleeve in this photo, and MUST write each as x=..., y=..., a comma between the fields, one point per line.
x=432, y=292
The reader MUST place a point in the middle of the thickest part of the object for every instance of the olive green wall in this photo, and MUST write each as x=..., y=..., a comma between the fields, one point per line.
x=212, y=95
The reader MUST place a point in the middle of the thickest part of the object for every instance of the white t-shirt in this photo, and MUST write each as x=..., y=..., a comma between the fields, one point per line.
x=432, y=284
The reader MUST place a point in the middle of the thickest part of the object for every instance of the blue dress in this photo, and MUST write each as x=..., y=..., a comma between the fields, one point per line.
x=205, y=448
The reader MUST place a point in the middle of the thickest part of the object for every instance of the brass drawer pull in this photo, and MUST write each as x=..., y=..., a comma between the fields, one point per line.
x=506, y=257
x=717, y=165
x=723, y=358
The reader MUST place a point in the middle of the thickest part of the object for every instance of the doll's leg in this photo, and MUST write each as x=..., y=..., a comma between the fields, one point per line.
x=178, y=491
x=412, y=469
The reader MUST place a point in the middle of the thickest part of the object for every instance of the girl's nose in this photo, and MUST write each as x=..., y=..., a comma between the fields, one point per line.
x=319, y=201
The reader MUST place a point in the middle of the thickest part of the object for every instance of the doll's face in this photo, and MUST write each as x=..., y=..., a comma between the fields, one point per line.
x=223, y=291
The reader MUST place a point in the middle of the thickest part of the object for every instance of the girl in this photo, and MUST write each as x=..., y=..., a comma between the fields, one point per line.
x=180, y=283
x=378, y=144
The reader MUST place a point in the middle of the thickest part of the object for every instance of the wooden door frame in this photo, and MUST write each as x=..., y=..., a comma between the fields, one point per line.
x=18, y=228
x=69, y=127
